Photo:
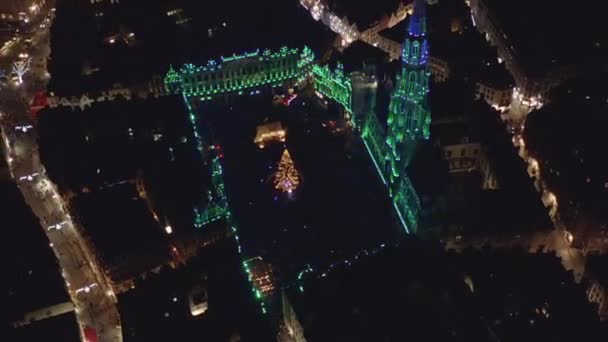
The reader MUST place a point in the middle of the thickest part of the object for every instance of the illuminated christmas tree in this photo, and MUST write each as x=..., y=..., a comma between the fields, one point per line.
x=287, y=177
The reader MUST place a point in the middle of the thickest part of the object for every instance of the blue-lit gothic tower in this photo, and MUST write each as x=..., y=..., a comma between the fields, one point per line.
x=409, y=116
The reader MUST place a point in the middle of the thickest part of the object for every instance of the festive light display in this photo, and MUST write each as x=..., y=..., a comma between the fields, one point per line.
x=287, y=178
x=241, y=73
x=238, y=73
x=20, y=68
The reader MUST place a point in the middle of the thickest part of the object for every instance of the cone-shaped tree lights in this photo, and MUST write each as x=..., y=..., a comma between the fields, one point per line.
x=287, y=178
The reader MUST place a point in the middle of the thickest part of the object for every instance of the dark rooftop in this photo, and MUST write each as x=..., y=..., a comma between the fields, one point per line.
x=158, y=310
x=548, y=34
x=494, y=74
x=111, y=140
x=403, y=293
x=450, y=100
x=228, y=28
x=361, y=13
x=358, y=53
x=121, y=226
x=453, y=133
x=59, y=328
x=116, y=143
x=528, y=297
x=597, y=268
x=396, y=33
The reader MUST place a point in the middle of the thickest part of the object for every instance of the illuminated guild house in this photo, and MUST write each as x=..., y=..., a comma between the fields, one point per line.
x=269, y=132
x=241, y=74
x=391, y=144
x=261, y=275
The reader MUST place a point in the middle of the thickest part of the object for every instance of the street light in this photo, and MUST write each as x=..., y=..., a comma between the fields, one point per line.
x=86, y=288
x=569, y=237
x=56, y=226
x=28, y=177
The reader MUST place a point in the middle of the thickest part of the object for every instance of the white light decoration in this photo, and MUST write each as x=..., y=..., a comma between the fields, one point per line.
x=534, y=102
x=20, y=68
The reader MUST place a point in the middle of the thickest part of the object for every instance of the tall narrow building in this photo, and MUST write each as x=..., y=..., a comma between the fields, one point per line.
x=409, y=116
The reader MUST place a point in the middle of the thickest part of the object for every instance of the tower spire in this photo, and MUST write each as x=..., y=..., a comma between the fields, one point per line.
x=420, y=7
x=417, y=24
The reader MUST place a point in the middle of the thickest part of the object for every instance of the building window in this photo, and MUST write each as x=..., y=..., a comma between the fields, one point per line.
x=412, y=82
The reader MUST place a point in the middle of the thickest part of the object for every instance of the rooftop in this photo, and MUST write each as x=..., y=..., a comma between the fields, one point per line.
x=361, y=13
x=596, y=266
x=453, y=133
x=386, y=298
x=117, y=143
x=450, y=100
x=159, y=42
x=494, y=74
x=396, y=33
x=358, y=53
x=122, y=228
x=528, y=296
x=159, y=309
x=549, y=34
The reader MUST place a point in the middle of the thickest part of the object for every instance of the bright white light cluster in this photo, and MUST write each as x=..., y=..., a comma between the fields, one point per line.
x=315, y=7
x=534, y=102
x=349, y=33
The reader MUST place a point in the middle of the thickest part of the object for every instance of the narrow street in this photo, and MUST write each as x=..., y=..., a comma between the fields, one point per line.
x=87, y=284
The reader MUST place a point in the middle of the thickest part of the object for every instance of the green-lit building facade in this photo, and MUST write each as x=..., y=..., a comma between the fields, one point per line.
x=239, y=74
x=334, y=84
